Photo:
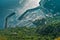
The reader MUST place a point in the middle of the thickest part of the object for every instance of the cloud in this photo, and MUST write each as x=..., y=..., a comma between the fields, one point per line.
x=28, y=4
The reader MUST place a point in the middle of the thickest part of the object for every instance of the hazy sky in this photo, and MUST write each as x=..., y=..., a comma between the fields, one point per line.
x=7, y=7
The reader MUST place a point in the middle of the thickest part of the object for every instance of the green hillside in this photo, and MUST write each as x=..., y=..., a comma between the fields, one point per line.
x=49, y=31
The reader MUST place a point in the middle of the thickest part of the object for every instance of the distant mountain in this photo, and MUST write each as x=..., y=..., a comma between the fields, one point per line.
x=45, y=13
x=31, y=15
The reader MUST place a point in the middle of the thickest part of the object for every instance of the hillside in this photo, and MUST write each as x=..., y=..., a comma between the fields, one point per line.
x=49, y=31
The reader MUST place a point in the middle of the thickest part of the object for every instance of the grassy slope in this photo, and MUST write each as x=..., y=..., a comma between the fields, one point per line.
x=50, y=31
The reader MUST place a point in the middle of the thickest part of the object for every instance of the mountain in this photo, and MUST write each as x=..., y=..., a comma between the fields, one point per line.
x=43, y=14
x=47, y=11
x=31, y=15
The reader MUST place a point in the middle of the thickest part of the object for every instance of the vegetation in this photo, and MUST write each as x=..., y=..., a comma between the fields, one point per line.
x=49, y=31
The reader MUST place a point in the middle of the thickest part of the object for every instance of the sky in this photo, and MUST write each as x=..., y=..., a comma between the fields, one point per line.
x=19, y=6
